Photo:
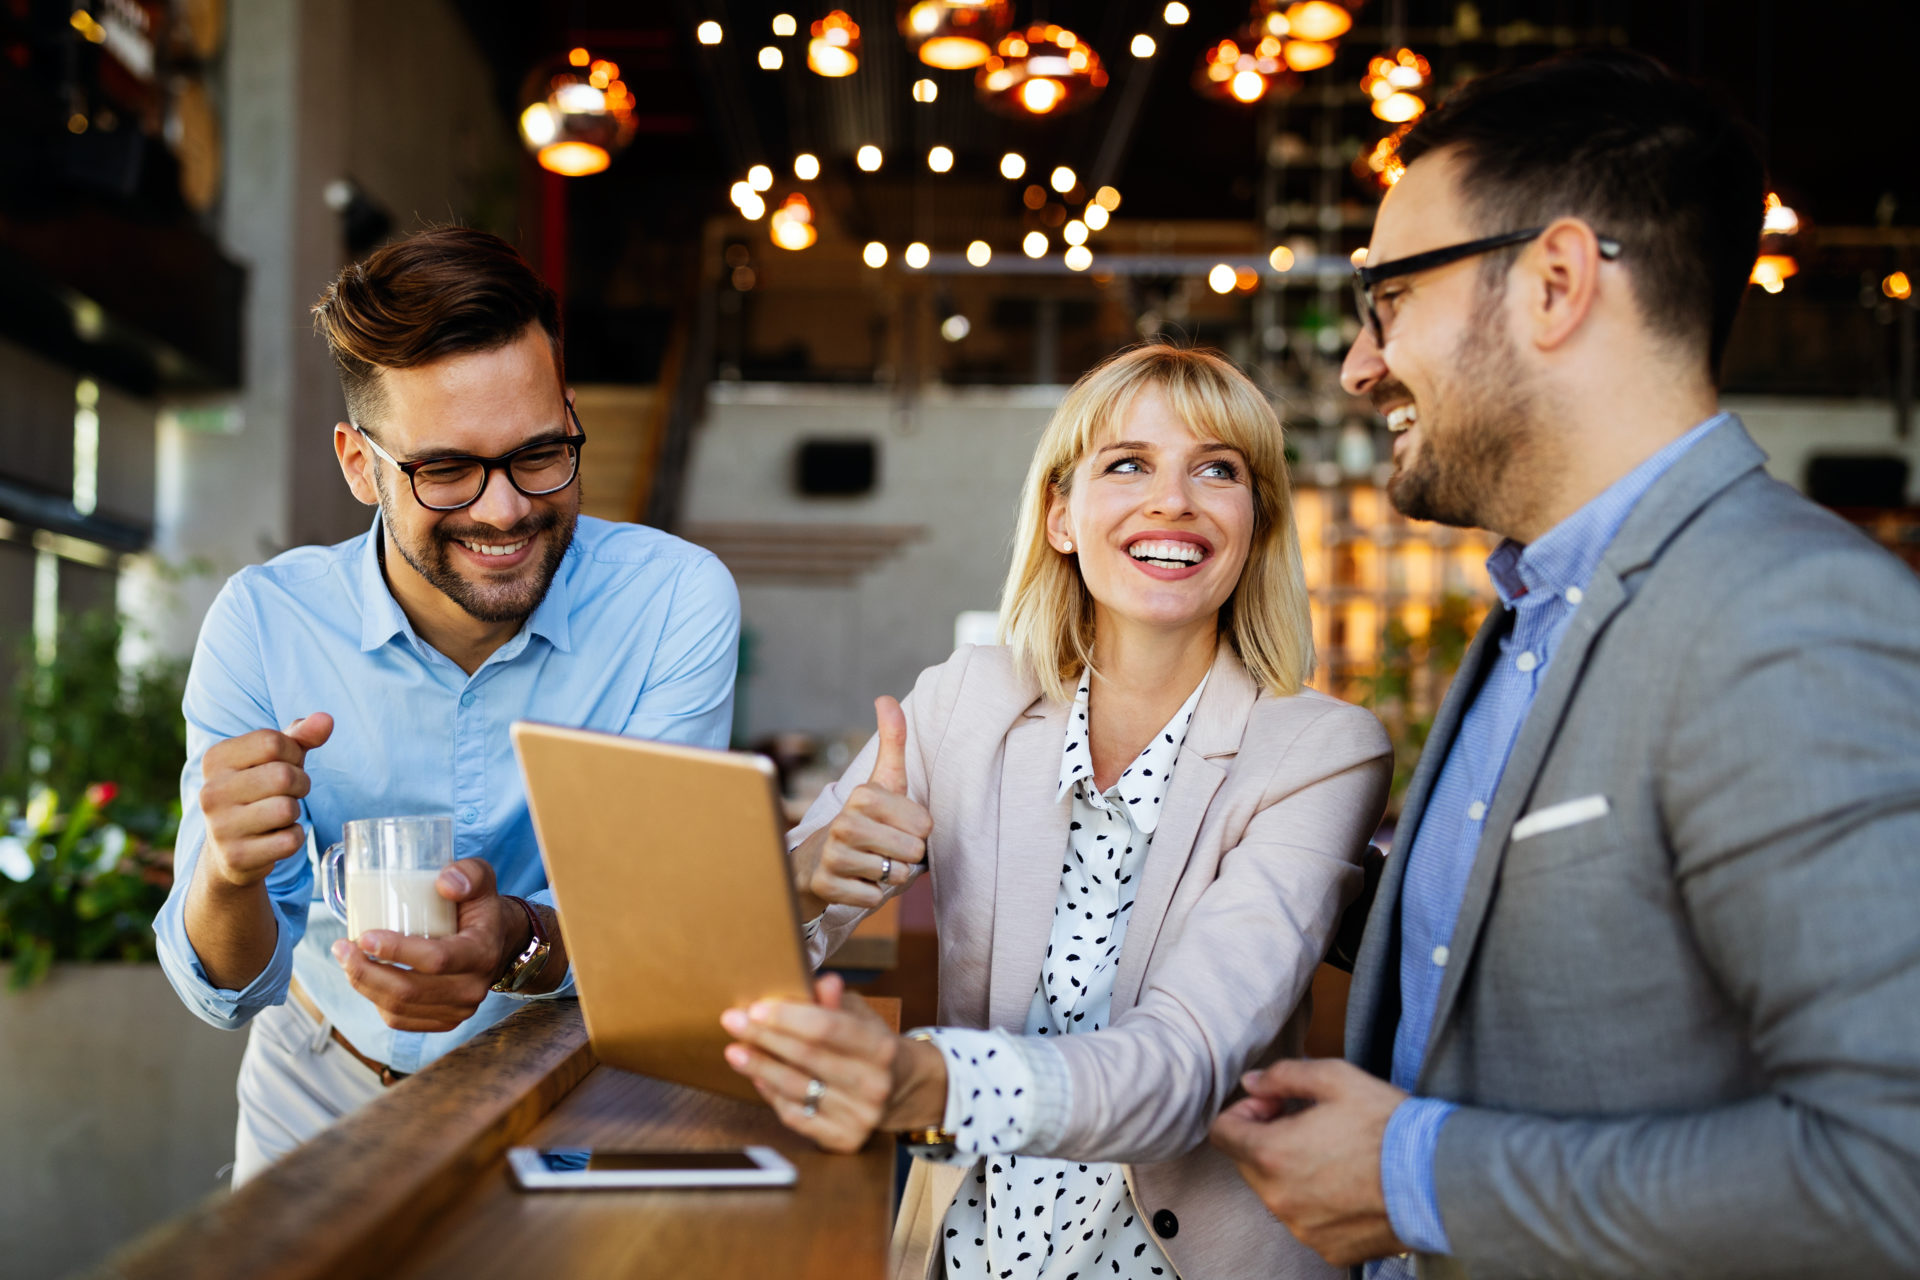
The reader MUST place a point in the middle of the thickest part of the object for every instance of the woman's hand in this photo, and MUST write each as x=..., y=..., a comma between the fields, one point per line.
x=877, y=838
x=872, y=1079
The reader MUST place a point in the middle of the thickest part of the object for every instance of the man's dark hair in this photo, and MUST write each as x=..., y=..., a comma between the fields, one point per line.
x=1616, y=139
x=439, y=292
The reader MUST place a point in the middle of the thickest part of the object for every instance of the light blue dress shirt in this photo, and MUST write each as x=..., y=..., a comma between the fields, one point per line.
x=1542, y=585
x=638, y=635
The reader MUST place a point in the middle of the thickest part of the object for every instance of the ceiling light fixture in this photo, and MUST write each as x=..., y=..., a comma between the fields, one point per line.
x=1036, y=72
x=1013, y=165
x=979, y=253
x=834, y=50
x=707, y=33
x=575, y=113
x=955, y=35
x=868, y=158
x=1035, y=244
x=806, y=166
x=792, y=223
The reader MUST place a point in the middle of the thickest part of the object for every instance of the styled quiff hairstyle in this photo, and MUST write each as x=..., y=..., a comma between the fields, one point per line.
x=1614, y=138
x=1046, y=612
x=439, y=292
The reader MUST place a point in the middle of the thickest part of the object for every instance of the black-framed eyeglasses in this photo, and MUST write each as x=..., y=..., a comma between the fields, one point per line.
x=1365, y=278
x=457, y=480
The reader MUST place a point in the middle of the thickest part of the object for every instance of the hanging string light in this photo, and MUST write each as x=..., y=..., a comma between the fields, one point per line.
x=955, y=35
x=1040, y=71
x=576, y=113
x=834, y=49
x=1778, y=227
x=1383, y=165
x=1245, y=70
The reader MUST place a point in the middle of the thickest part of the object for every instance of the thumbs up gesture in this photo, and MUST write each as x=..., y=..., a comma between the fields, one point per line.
x=879, y=836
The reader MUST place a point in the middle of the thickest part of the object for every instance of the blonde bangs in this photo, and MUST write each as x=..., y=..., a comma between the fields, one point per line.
x=1046, y=613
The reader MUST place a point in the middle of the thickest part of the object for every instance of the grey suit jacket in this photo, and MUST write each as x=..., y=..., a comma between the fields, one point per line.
x=1685, y=1031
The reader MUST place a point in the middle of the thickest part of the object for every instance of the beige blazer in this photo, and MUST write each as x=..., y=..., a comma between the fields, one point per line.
x=1257, y=853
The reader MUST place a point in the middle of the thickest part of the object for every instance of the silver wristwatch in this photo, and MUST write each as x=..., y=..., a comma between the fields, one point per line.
x=527, y=966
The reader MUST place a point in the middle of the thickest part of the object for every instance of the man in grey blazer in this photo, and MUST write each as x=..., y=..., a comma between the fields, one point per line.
x=1644, y=970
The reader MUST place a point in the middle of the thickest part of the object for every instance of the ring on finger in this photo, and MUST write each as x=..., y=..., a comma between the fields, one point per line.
x=816, y=1092
x=886, y=872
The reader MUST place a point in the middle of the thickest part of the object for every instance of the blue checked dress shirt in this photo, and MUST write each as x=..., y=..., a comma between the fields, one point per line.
x=1542, y=585
x=638, y=635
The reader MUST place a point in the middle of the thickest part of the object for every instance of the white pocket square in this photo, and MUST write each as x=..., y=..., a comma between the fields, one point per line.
x=1570, y=813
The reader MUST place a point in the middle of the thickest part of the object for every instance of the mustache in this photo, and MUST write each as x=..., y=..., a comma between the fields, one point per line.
x=1388, y=391
x=539, y=522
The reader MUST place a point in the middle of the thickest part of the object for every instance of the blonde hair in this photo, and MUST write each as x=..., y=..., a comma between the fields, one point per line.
x=1046, y=612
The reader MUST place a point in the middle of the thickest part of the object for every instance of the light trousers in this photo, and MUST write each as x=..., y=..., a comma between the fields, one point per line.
x=295, y=1080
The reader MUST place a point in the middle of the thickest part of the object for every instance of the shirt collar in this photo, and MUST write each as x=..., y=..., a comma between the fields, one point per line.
x=381, y=618
x=1567, y=554
x=1143, y=784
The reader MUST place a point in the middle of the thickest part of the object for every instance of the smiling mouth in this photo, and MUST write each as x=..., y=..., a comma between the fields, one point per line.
x=1167, y=554
x=494, y=548
x=1401, y=417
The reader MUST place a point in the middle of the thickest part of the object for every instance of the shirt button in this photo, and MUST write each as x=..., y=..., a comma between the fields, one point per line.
x=1526, y=661
x=1575, y=595
x=1476, y=811
x=1165, y=1225
x=466, y=699
x=1440, y=957
x=469, y=815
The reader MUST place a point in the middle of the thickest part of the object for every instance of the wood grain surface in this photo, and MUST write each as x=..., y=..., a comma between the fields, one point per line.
x=834, y=1224
x=416, y=1185
x=362, y=1192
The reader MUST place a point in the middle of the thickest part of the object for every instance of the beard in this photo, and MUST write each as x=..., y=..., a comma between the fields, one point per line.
x=1477, y=434
x=512, y=600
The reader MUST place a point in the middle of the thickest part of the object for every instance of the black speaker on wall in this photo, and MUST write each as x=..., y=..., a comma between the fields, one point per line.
x=837, y=468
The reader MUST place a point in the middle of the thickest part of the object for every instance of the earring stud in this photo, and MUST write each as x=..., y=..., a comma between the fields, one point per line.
x=1069, y=547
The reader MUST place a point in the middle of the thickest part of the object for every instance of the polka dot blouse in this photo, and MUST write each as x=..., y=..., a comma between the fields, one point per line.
x=1023, y=1216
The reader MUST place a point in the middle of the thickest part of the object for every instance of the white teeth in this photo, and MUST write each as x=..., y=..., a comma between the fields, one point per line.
x=1402, y=417
x=1178, y=552
x=492, y=549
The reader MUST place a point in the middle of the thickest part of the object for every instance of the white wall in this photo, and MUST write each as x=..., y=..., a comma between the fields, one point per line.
x=954, y=464
x=1792, y=430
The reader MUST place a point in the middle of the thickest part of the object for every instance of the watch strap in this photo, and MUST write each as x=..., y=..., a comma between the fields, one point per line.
x=528, y=965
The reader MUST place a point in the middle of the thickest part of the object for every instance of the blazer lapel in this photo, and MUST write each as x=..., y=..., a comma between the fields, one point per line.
x=1721, y=457
x=1033, y=839
x=1219, y=722
x=1373, y=970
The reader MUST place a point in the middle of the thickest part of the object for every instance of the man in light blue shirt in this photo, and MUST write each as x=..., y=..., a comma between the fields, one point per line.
x=378, y=678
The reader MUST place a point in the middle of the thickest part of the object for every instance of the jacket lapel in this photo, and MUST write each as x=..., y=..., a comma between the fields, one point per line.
x=1219, y=722
x=1033, y=839
x=1720, y=458
x=1374, y=967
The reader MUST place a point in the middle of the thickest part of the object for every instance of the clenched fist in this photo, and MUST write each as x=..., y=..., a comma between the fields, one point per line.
x=250, y=795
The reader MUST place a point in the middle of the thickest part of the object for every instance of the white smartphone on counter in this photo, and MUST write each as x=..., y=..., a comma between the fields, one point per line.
x=582, y=1168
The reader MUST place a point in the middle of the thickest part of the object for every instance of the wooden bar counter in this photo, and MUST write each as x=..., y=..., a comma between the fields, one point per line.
x=415, y=1185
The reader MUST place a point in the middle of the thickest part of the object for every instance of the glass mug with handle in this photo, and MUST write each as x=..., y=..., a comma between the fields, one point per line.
x=381, y=876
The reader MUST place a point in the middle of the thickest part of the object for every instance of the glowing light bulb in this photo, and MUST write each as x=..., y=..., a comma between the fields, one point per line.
x=940, y=159
x=740, y=193
x=1075, y=232
x=1013, y=165
x=868, y=158
x=1079, y=258
x=770, y=59
x=955, y=327
x=1041, y=95
x=1779, y=219
x=925, y=91
x=1281, y=259
x=1176, y=14
x=1035, y=245
x=1247, y=86
x=753, y=207
x=760, y=177
x=979, y=253
x=1063, y=179
x=918, y=256
x=1221, y=278
x=806, y=166
x=708, y=33
x=874, y=255
x=784, y=25
x=1143, y=46
x=1107, y=198
x=1095, y=217
x=1897, y=286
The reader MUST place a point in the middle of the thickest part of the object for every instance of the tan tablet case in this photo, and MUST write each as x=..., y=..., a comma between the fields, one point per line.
x=670, y=873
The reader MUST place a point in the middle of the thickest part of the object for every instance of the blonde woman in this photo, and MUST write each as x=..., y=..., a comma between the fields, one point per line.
x=1141, y=829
